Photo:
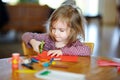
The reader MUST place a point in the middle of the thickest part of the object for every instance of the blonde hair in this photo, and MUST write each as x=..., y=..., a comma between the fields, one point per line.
x=74, y=19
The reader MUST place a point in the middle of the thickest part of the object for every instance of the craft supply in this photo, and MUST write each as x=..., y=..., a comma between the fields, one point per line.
x=27, y=65
x=107, y=63
x=15, y=60
x=34, y=60
x=59, y=75
x=69, y=58
x=41, y=46
x=118, y=68
x=26, y=61
x=46, y=72
x=26, y=71
x=36, y=57
x=46, y=64
x=51, y=60
x=66, y=58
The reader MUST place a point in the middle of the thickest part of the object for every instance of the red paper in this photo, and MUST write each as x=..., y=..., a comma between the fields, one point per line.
x=107, y=63
x=118, y=68
x=69, y=58
x=43, y=55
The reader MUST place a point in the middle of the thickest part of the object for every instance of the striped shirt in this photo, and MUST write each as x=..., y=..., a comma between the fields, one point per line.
x=76, y=48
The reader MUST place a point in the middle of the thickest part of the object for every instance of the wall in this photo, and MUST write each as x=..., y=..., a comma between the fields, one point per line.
x=107, y=8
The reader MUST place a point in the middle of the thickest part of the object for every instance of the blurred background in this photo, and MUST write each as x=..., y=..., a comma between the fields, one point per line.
x=19, y=16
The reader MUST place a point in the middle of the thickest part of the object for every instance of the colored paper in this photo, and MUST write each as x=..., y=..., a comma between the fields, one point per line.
x=107, y=63
x=118, y=68
x=26, y=71
x=43, y=55
x=59, y=75
x=69, y=58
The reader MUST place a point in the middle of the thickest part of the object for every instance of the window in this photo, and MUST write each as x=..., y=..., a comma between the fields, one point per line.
x=88, y=7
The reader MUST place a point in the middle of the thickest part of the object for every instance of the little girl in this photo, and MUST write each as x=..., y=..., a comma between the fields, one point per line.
x=65, y=29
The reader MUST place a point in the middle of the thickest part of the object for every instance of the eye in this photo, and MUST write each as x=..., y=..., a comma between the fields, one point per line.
x=62, y=30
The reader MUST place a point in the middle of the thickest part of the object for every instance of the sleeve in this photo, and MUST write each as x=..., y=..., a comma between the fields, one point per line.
x=77, y=49
x=26, y=37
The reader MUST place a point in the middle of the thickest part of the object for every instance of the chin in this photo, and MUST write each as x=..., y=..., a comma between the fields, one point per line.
x=58, y=40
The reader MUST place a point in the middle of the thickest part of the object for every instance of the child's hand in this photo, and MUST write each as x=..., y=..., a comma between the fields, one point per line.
x=35, y=44
x=54, y=53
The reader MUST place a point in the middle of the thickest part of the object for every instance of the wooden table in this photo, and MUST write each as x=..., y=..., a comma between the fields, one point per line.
x=86, y=65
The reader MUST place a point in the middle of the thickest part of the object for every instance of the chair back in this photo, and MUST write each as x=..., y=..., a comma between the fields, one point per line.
x=91, y=45
x=27, y=51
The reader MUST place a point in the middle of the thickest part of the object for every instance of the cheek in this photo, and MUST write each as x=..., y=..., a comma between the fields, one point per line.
x=65, y=35
x=53, y=31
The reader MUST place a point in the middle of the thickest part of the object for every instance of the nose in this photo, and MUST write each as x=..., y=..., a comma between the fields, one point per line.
x=56, y=32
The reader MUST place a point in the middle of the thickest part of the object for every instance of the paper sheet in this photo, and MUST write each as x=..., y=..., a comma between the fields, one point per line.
x=59, y=75
x=62, y=58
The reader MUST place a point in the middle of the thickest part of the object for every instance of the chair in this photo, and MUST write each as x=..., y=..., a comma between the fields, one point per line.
x=29, y=51
x=26, y=50
x=91, y=45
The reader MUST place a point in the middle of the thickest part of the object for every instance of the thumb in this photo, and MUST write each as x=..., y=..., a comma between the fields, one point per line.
x=36, y=49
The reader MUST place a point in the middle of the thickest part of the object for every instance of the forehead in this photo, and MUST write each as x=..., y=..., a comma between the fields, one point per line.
x=59, y=24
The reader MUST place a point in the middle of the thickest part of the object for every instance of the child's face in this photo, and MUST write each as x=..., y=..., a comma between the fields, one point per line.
x=60, y=31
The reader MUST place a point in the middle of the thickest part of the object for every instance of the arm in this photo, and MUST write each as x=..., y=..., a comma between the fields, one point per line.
x=33, y=40
x=77, y=48
x=35, y=45
x=26, y=37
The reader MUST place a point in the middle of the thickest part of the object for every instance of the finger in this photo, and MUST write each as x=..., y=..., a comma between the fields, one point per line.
x=49, y=52
x=36, y=49
x=57, y=55
x=53, y=54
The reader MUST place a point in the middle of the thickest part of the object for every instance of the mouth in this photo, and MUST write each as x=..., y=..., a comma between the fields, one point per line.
x=57, y=37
